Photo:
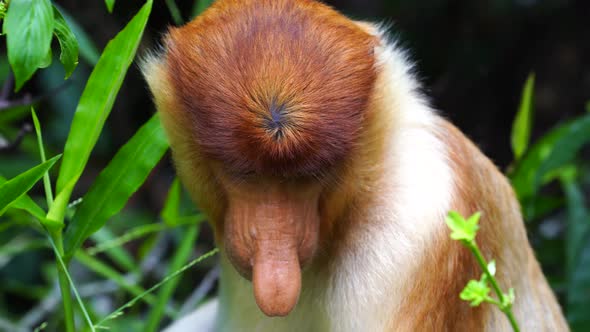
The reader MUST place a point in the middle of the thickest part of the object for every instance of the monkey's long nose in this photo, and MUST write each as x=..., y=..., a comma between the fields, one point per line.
x=269, y=236
x=276, y=277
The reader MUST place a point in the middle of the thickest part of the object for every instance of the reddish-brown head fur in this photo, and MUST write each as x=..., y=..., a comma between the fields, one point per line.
x=273, y=87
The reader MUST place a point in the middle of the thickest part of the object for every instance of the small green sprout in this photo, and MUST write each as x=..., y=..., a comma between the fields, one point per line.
x=479, y=291
x=463, y=230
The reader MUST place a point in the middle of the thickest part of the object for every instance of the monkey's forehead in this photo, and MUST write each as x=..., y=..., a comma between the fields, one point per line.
x=272, y=86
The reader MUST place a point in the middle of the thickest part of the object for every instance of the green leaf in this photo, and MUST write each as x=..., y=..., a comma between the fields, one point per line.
x=174, y=12
x=46, y=179
x=47, y=59
x=67, y=43
x=521, y=128
x=96, y=103
x=170, y=212
x=117, y=182
x=25, y=203
x=555, y=149
x=87, y=49
x=461, y=229
x=16, y=187
x=200, y=6
x=110, y=5
x=578, y=221
x=475, y=292
x=28, y=26
x=577, y=248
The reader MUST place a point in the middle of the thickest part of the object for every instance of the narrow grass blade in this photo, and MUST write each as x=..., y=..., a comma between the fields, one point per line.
x=110, y=5
x=97, y=100
x=117, y=182
x=170, y=212
x=16, y=187
x=46, y=180
x=25, y=203
x=521, y=128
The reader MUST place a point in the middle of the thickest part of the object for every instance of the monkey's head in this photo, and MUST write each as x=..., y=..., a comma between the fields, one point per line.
x=262, y=100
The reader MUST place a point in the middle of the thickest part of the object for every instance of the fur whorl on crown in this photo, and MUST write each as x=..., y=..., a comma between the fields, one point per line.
x=271, y=87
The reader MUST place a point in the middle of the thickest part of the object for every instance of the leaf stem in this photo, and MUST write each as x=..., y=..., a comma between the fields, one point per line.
x=64, y=287
x=504, y=306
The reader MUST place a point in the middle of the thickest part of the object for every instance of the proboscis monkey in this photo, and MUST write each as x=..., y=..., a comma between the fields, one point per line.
x=327, y=177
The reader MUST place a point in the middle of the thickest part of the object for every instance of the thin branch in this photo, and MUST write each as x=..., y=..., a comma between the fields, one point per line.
x=28, y=99
x=7, y=146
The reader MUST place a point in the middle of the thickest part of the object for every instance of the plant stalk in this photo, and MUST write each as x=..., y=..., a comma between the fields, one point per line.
x=482, y=263
x=64, y=286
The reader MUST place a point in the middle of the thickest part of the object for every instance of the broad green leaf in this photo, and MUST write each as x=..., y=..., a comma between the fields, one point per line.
x=16, y=187
x=521, y=128
x=170, y=212
x=96, y=103
x=25, y=203
x=182, y=255
x=28, y=26
x=47, y=59
x=88, y=50
x=110, y=5
x=117, y=182
x=67, y=43
x=199, y=6
x=556, y=149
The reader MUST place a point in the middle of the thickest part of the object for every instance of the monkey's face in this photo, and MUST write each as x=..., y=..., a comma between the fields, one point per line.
x=277, y=89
